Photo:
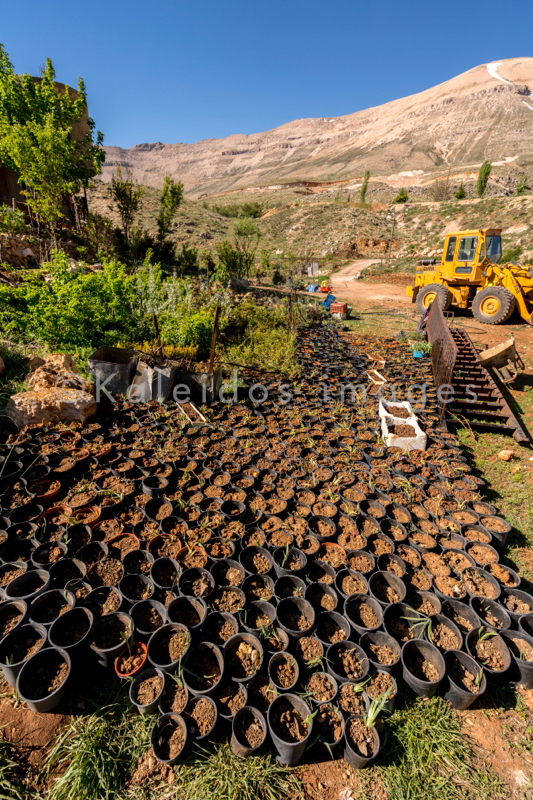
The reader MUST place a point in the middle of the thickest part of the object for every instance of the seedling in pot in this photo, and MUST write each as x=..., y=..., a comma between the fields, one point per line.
x=421, y=623
x=478, y=678
x=485, y=633
x=377, y=704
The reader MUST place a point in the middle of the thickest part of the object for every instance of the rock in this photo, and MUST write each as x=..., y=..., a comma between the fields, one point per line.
x=506, y=455
x=32, y=362
x=2, y=365
x=61, y=362
x=49, y=405
x=48, y=378
x=28, y=252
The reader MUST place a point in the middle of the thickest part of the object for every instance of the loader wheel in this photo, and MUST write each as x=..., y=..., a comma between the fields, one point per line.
x=431, y=292
x=493, y=305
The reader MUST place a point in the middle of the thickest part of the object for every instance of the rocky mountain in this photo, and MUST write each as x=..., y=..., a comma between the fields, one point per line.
x=486, y=112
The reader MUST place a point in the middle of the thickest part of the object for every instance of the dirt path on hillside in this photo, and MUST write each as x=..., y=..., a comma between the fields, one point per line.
x=347, y=288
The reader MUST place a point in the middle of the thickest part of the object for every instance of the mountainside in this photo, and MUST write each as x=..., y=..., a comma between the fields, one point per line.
x=486, y=112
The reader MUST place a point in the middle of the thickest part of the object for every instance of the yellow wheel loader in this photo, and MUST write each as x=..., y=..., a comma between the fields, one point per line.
x=470, y=275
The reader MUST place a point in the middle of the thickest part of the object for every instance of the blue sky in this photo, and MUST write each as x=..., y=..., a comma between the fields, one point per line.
x=181, y=72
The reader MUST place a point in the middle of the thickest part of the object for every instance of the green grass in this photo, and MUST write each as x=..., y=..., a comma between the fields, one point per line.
x=424, y=754
x=10, y=785
x=216, y=774
x=95, y=755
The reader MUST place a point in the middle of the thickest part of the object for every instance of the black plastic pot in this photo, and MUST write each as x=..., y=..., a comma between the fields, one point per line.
x=165, y=723
x=347, y=573
x=457, y=695
x=280, y=658
x=239, y=746
x=317, y=595
x=506, y=601
x=154, y=485
x=524, y=666
x=352, y=612
x=381, y=639
x=319, y=572
x=332, y=683
x=289, y=586
x=498, y=642
x=353, y=755
x=291, y=606
x=391, y=698
x=193, y=578
x=440, y=618
x=289, y=753
x=28, y=586
x=282, y=556
x=10, y=664
x=483, y=607
x=192, y=731
x=454, y=609
x=60, y=632
x=49, y=658
x=194, y=662
x=156, y=653
x=412, y=652
x=12, y=609
x=138, y=614
x=331, y=627
x=491, y=580
x=40, y=556
x=151, y=707
x=68, y=569
x=131, y=568
x=386, y=559
x=45, y=608
x=97, y=598
x=232, y=644
x=254, y=609
x=213, y=622
x=130, y=586
x=161, y=579
x=393, y=581
x=333, y=663
x=186, y=610
x=107, y=655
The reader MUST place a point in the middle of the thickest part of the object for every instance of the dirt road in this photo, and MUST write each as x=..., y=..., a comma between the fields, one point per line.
x=347, y=288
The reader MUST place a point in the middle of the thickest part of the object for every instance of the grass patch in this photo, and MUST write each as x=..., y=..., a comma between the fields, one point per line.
x=10, y=785
x=96, y=754
x=425, y=754
x=219, y=775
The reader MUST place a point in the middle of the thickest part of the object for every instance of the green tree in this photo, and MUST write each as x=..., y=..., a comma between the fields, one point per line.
x=402, y=196
x=460, y=193
x=231, y=262
x=483, y=178
x=37, y=140
x=364, y=187
x=522, y=185
x=169, y=202
x=127, y=195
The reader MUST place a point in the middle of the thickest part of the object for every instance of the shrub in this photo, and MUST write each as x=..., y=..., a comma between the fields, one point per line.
x=511, y=254
x=483, y=178
x=11, y=220
x=460, y=193
x=402, y=196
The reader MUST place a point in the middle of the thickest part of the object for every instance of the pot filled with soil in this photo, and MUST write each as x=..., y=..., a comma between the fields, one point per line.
x=43, y=679
x=349, y=582
x=243, y=657
x=202, y=669
x=331, y=627
x=168, y=738
x=165, y=573
x=131, y=660
x=138, y=562
x=516, y=603
x=283, y=671
x=168, y=645
x=362, y=742
x=386, y=588
x=289, y=561
x=352, y=698
x=200, y=716
x=423, y=667
x=364, y=613
x=322, y=597
x=382, y=650
x=319, y=572
x=290, y=725
x=466, y=679
x=296, y=616
x=506, y=577
x=109, y=635
x=135, y=588
x=13, y=614
x=188, y=611
x=521, y=648
x=489, y=649
x=48, y=606
x=28, y=585
x=346, y=661
x=382, y=688
x=148, y=616
x=463, y=616
x=196, y=582
x=249, y=732
x=328, y=726
x=19, y=645
x=174, y=697
x=479, y=583
x=256, y=560
x=102, y=601
x=443, y=633
x=321, y=688
x=146, y=689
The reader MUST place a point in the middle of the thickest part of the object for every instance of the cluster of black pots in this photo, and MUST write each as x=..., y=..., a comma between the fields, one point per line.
x=282, y=530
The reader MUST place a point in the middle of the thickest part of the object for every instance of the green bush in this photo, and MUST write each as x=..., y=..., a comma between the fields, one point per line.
x=253, y=210
x=460, y=193
x=511, y=254
x=11, y=220
x=402, y=196
x=196, y=330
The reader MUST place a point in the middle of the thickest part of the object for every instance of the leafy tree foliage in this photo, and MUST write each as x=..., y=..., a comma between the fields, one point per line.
x=402, y=196
x=483, y=178
x=127, y=195
x=169, y=202
x=364, y=187
x=460, y=193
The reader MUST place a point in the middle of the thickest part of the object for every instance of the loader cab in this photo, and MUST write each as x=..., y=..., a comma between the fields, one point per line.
x=465, y=254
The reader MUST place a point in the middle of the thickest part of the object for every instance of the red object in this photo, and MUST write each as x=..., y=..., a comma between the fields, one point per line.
x=339, y=308
x=119, y=658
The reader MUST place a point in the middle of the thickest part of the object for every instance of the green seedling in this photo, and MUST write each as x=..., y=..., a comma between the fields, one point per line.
x=377, y=705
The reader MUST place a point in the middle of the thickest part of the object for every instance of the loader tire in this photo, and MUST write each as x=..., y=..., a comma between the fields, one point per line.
x=431, y=292
x=493, y=305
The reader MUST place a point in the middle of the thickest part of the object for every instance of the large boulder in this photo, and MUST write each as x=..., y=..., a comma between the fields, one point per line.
x=50, y=406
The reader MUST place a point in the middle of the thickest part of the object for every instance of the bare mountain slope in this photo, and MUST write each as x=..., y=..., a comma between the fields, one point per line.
x=486, y=112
